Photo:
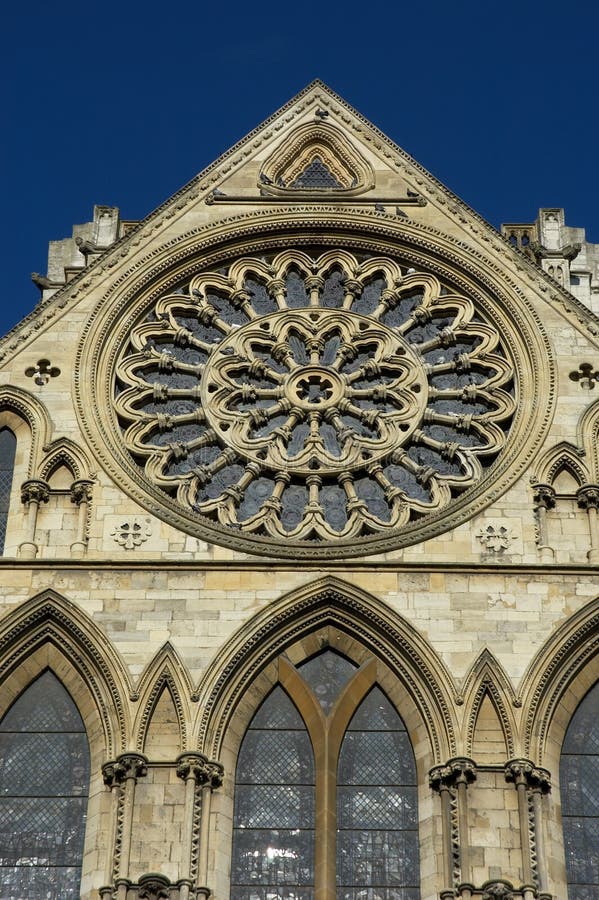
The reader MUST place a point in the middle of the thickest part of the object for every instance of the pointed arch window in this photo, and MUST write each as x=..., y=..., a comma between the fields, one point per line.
x=8, y=448
x=351, y=830
x=44, y=779
x=579, y=788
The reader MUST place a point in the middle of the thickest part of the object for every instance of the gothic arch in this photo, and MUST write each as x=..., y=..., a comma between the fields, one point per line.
x=320, y=140
x=165, y=670
x=329, y=602
x=50, y=631
x=487, y=677
x=588, y=438
x=557, y=679
x=30, y=422
x=564, y=456
x=64, y=452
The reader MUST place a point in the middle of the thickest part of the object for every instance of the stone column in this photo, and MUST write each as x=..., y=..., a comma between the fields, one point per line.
x=33, y=492
x=81, y=495
x=193, y=769
x=452, y=780
x=588, y=498
x=544, y=498
x=125, y=771
x=212, y=779
x=111, y=780
x=529, y=778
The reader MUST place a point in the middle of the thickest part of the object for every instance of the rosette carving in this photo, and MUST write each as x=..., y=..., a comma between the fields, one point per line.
x=314, y=398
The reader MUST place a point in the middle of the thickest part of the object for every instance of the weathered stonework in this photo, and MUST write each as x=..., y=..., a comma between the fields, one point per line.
x=169, y=617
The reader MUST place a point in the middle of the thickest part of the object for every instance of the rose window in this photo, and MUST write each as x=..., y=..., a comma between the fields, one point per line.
x=314, y=398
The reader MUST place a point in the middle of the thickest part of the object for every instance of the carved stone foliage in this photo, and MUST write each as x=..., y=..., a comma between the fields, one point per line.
x=314, y=398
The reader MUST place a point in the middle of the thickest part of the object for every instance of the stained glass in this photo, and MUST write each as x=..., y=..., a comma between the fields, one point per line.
x=327, y=673
x=377, y=821
x=8, y=446
x=579, y=785
x=273, y=838
x=44, y=777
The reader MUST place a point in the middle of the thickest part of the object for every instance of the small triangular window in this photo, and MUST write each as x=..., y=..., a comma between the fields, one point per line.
x=316, y=175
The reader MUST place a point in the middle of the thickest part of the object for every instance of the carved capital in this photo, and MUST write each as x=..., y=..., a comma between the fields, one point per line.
x=197, y=766
x=544, y=496
x=154, y=887
x=460, y=770
x=81, y=491
x=35, y=491
x=127, y=765
x=587, y=496
x=523, y=771
x=497, y=890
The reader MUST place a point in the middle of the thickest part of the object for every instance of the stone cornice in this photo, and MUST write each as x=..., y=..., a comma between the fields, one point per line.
x=264, y=564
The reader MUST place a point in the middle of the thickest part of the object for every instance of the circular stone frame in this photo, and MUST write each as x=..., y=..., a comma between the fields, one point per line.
x=501, y=302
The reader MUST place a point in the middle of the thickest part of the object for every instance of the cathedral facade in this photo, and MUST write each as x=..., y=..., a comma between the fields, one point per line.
x=299, y=541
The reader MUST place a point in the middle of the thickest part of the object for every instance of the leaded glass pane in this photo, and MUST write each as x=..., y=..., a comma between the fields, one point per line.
x=377, y=815
x=327, y=674
x=8, y=446
x=44, y=776
x=579, y=785
x=273, y=838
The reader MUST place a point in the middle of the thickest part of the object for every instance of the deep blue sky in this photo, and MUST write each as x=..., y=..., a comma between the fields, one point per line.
x=121, y=104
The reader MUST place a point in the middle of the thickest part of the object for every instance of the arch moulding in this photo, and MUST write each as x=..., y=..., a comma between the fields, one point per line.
x=556, y=681
x=50, y=620
x=328, y=602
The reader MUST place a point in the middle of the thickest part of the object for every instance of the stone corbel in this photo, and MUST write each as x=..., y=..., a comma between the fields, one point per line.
x=587, y=497
x=33, y=493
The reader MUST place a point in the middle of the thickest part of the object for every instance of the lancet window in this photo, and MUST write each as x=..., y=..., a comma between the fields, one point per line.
x=325, y=795
x=579, y=786
x=8, y=446
x=44, y=779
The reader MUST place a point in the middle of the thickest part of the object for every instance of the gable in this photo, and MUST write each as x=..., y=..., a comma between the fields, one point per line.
x=314, y=235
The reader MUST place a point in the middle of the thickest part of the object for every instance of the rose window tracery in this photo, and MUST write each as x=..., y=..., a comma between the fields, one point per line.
x=314, y=397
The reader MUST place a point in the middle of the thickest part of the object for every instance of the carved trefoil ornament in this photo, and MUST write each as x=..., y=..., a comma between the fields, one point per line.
x=132, y=532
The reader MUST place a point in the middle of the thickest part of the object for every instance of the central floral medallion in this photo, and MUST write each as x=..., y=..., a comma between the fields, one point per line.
x=329, y=391
x=314, y=398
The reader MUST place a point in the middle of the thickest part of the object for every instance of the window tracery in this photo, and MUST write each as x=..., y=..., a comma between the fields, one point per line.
x=325, y=796
x=314, y=398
